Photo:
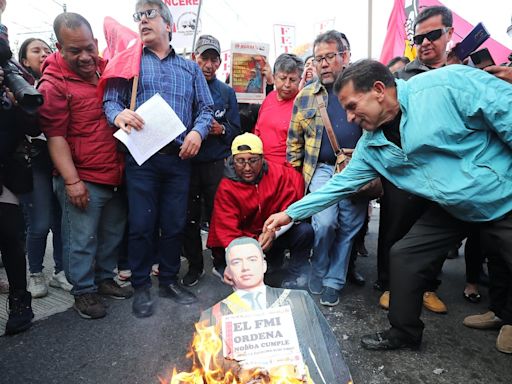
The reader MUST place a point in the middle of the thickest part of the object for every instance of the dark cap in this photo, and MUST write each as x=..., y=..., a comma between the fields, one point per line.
x=206, y=42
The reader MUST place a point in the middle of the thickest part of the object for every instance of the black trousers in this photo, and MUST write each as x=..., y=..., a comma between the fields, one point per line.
x=399, y=210
x=204, y=180
x=12, y=246
x=416, y=259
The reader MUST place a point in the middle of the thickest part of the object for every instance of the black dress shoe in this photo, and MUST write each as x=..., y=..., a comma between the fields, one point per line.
x=143, y=305
x=383, y=341
x=177, y=293
x=355, y=278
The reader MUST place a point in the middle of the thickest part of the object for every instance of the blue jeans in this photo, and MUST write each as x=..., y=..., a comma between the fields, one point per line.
x=91, y=238
x=157, y=197
x=335, y=228
x=42, y=213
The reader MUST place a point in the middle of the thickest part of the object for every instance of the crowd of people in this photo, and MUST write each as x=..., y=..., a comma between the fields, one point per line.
x=437, y=136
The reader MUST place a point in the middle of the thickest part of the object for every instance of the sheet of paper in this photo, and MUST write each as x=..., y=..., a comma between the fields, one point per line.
x=161, y=126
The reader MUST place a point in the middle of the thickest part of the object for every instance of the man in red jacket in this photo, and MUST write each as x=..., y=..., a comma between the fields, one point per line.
x=89, y=167
x=250, y=190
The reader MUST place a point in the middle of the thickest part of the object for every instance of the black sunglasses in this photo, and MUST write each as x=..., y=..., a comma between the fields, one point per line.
x=431, y=36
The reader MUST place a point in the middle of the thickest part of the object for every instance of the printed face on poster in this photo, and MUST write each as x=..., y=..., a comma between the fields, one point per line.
x=248, y=60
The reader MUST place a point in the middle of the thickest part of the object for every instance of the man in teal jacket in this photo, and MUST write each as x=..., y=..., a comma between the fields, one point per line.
x=461, y=161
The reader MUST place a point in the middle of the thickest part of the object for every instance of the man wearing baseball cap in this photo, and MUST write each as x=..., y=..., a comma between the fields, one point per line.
x=250, y=190
x=208, y=165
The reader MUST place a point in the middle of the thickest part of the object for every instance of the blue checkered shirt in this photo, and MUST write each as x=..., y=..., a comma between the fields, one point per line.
x=181, y=84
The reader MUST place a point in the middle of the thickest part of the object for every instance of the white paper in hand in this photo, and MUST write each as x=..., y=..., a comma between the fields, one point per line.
x=161, y=126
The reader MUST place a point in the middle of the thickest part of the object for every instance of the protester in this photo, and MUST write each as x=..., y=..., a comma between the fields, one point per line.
x=400, y=209
x=158, y=188
x=41, y=207
x=397, y=63
x=309, y=75
x=392, y=113
x=309, y=150
x=208, y=165
x=89, y=167
x=246, y=266
x=250, y=191
x=276, y=111
x=15, y=121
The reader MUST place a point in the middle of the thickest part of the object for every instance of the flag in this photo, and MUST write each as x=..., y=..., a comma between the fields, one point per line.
x=117, y=36
x=125, y=64
x=400, y=31
x=397, y=42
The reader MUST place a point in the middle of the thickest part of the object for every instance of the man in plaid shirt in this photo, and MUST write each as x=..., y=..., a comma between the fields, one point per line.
x=309, y=151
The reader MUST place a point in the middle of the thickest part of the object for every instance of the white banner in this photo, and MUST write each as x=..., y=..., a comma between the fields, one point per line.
x=324, y=26
x=225, y=65
x=184, y=14
x=284, y=38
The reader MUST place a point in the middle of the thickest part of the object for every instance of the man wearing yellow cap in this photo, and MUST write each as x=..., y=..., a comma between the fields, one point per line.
x=249, y=192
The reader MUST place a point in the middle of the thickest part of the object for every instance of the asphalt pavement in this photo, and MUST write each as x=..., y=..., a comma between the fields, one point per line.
x=63, y=348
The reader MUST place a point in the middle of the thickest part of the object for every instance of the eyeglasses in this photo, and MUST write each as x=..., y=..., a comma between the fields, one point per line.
x=329, y=57
x=252, y=162
x=431, y=36
x=149, y=13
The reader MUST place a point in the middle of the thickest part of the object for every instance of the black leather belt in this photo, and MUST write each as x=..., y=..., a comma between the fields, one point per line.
x=329, y=162
x=170, y=149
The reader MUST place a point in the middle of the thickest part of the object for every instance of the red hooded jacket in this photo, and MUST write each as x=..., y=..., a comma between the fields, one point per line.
x=72, y=109
x=240, y=208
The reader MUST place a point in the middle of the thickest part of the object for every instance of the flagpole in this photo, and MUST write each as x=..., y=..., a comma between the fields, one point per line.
x=197, y=25
x=370, y=22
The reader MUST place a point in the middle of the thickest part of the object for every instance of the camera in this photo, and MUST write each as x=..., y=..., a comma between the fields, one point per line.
x=24, y=93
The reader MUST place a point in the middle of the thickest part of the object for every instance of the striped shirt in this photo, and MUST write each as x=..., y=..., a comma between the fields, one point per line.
x=181, y=84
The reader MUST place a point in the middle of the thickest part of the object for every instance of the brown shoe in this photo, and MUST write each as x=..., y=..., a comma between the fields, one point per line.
x=433, y=303
x=111, y=289
x=384, y=300
x=487, y=320
x=504, y=340
x=89, y=306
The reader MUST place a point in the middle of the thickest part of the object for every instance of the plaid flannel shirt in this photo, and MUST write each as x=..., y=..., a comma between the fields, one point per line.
x=305, y=132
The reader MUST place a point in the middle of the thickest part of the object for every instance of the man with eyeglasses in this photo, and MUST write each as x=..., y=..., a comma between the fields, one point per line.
x=208, y=165
x=310, y=152
x=158, y=189
x=250, y=191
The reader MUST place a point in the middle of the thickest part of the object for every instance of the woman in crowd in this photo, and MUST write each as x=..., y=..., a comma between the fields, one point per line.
x=42, y=212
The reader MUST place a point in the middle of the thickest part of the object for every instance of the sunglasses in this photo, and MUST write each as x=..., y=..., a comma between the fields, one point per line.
x=431, y=36
x=149, y=13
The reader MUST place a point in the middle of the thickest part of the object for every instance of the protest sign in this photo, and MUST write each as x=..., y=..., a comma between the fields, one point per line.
x=247, y=62
x=186, y=21
x=284, y=38
x=262, y=339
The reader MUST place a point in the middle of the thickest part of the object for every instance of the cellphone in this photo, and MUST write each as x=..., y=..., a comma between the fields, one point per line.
x=482, y=58
x=472, y=41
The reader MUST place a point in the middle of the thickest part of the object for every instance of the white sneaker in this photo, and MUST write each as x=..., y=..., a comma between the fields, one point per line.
x=59, y=281
x=37, y=285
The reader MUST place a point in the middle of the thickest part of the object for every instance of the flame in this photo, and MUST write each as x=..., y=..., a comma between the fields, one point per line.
x=211, y=368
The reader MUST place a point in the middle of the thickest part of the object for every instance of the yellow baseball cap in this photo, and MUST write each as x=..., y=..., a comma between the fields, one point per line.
x=247, y=143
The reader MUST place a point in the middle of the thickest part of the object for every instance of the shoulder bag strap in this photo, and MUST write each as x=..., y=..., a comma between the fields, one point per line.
x=328, y=127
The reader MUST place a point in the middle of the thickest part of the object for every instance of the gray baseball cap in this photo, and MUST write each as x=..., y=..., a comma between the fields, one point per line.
x=206, y=42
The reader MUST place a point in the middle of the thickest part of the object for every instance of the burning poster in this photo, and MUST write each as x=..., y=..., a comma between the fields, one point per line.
x=262, y=338
x=247, y=62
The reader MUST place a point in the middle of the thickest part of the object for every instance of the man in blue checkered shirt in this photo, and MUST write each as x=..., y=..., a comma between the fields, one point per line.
x=158, y=189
